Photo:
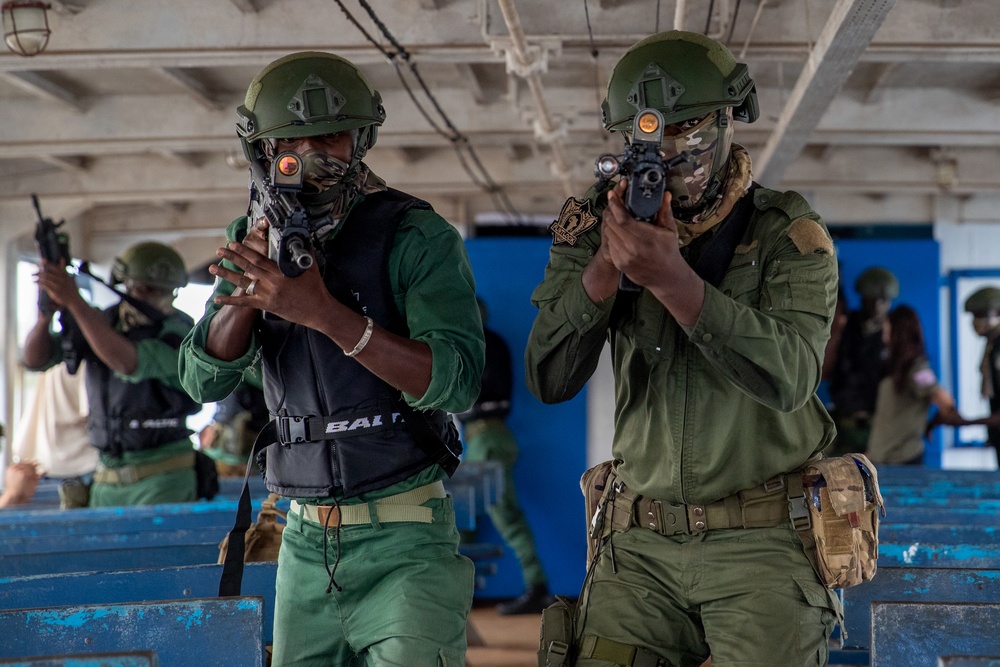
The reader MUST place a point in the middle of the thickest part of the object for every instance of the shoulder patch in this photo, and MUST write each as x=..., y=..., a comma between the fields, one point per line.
x=809, y=237
x=576, y=217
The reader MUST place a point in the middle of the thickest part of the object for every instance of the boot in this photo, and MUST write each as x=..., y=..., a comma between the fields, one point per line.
x=532, y=601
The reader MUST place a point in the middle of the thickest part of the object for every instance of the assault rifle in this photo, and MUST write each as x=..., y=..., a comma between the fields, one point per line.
x=275, y=196
x=642, y=163
x=53, y=247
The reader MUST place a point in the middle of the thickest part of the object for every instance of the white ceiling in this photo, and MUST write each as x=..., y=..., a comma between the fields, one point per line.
x=879, y=111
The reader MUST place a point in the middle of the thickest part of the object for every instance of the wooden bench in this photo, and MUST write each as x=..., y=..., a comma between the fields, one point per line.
x=916, y=634
x=176, y=583
x=217, y=631
x=130, y=659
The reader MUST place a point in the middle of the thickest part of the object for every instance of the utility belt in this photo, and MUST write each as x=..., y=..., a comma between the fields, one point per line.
x=402, y=507
x=764, y=506
x=134, y=473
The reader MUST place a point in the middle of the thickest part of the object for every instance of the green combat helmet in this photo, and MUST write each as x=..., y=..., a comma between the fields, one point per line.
x=691, y=79
x=983, y=302
x=309, y=94
x=877, y=283
x=683, y=75
x=150, y=263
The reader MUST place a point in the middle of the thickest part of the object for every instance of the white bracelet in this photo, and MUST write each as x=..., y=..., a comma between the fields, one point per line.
x=365, y=337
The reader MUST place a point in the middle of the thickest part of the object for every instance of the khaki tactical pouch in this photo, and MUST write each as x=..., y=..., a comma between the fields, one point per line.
x=263, y=538
x=593, y=483
x=556, y=642
x=839, y=524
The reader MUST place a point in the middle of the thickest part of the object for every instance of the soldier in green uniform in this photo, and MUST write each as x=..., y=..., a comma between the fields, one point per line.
x=138, y=409
x=984, y=304
x=860, y=357
x=363, y=355
x=488, y=438
x=716, y=362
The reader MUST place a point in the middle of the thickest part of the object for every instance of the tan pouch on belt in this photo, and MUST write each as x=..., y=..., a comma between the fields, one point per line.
x=844, y=504
x=263, y=538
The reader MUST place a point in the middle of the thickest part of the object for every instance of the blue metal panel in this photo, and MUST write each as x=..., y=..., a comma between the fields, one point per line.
x=972, y=516
x=917, y=475
x=226, y=631
x=131, y=659
x=552, y=438
x=942, y=489
x=913, y=584
x=968, y=661
x=199, y=581
x=914, y=634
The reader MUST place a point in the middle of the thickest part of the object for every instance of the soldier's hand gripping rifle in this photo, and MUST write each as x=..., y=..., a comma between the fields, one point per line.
x=643, y=164
x=274, y=194
x=53, y=247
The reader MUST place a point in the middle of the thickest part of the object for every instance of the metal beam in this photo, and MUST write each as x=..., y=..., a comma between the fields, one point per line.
x=191, y=86
x=847, y=33
x=40, y=86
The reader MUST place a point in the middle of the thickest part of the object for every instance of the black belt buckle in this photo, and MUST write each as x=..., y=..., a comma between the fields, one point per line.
x=666, y=518
x=293, y=430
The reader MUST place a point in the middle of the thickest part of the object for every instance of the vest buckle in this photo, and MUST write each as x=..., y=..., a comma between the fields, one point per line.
x=293, y=430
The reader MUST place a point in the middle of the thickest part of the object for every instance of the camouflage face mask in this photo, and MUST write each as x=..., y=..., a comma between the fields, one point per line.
x=708, y=143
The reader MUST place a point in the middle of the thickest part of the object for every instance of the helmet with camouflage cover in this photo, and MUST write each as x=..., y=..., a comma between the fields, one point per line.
x=877, y=283
x=696, y=83
x=983, y=302
x=150, y=263
x=309, y=94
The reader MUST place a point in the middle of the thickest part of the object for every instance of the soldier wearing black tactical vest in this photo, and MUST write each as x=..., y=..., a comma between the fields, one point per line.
x=984, y=304
x=716, y=359
x=363, y=355
x=859, y=362
x=138, y=409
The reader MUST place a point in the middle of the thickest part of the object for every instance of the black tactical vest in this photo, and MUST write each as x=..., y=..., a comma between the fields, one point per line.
x=497, y=384
x=339, y=426
x=135, y=416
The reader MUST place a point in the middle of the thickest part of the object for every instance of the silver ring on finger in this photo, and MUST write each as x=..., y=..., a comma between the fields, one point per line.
x=249, y=290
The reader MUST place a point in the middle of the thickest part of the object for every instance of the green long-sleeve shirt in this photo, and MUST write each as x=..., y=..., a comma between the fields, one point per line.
x=434, y=290
x=702, y=412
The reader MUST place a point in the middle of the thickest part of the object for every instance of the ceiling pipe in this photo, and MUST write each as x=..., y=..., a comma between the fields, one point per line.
x=680, y=12
x=527, y=62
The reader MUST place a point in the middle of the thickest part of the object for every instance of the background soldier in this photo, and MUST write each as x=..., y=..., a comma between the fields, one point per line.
x=138, y=410
x=984, y=304
x=860, y=359
x=488, y=438
x=716, y=362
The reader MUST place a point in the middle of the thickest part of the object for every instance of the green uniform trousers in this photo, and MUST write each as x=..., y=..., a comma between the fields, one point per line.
x=748, y=597
x=177, y=486
x=495, y=442
x=404, y=600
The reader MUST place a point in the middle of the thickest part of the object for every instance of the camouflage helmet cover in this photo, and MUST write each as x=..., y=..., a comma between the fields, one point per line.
x=309, y=94
x=877, y=283
x=150, y=263
x=684, y=75
x=983, y=301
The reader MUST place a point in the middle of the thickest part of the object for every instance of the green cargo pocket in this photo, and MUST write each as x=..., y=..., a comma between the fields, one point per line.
x=831, y=615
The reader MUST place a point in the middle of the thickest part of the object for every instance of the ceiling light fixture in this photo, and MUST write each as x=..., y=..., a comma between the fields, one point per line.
x=26, y=26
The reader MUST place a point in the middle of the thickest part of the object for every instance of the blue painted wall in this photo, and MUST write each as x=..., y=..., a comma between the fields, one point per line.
x=552, y=438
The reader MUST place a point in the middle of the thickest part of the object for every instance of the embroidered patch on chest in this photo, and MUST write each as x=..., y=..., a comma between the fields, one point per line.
x=576, y=218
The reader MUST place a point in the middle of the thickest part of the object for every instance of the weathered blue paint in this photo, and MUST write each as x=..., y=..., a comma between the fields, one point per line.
x=939, y=555
x=130, y=659
x=109, y=541
x=169, y=555
x=914, y=634
x=968, y=661
x=938, y=533
x=227, y=631
x=913, y=584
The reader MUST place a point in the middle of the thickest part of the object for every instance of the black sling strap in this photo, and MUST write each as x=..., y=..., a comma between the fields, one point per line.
x=231, y=581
